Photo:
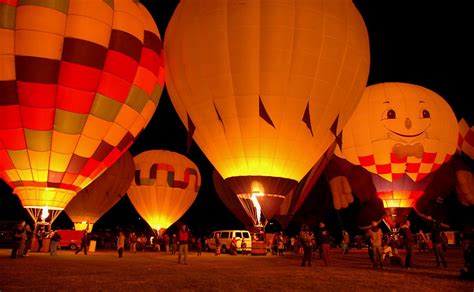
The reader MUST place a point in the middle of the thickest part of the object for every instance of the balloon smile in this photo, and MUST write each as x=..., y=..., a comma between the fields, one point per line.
x=407, y=136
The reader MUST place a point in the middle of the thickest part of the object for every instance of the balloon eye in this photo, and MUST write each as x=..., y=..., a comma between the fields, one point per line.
x=425, y=114
x=391, y=114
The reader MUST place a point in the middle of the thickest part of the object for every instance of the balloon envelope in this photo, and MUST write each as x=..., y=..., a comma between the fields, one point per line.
x=104, y=192
x=265, y=86
x=79, y=81
x=165, y=186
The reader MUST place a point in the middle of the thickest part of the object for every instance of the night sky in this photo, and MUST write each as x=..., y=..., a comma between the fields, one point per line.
x=427, y=43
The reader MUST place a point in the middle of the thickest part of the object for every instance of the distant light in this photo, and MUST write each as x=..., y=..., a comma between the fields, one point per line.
x=271, y=223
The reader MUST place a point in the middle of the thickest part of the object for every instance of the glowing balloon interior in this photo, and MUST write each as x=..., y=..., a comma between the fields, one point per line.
x=165, y=186
x=264, y=87
x=79, y=81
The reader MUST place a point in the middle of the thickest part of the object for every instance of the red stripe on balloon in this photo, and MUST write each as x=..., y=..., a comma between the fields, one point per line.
x=41, y=119
x=74, y=100
x=79, y=76
x=121, y=65
x=114, y=87
x=37, y=94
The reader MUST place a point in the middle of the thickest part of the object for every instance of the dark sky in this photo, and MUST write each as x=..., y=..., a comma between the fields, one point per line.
x=427, y=43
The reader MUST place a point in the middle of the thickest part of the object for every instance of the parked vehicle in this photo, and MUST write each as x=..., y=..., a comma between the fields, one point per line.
x=226, y=236
x=70, y=238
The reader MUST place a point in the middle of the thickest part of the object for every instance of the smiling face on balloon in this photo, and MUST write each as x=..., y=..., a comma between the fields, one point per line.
x=399, y=129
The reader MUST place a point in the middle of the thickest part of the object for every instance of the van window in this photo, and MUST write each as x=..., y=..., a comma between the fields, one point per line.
x=225, y=234
x=238, y=234
x=246, y=235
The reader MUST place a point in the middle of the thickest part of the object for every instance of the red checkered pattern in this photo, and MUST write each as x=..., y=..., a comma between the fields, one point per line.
x=466, y=138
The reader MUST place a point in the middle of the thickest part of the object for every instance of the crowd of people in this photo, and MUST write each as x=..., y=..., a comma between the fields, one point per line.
x=307, y=244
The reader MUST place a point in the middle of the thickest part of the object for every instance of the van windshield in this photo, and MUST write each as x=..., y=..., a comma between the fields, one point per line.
x=238, y=234
x=225, y=234
x=246, y=235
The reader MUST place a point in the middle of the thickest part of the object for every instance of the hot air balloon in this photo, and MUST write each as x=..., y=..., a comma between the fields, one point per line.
x=104, y=192
x=264, y=87
x=79, y=81
x=165, y=186
x=397, y=142
x=466, y=138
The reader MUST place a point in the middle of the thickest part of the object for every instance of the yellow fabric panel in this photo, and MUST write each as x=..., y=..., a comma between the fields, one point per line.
x=59, y=5
x=126, y=22
x=20, y=158
x=137, y=126
x=38, y=140
x=126, y=116
x=40, y=175
x=39, y=18
x=98, y=10
x=64, y=143
x=89, y=29
x=39, y=160
x=8, y=40
x=148, y=110
x=86, y=146
x=79, y=180
x=25, y=175
x=115, y=135
x=105, y=107
x=7, y=67
x=8, y=15
x=69, y=122
x=12, y=175
x=52, y=198
x=38, y=44
x=59, y=161
x=96, y=128
x=84, y=183
x=148, y=22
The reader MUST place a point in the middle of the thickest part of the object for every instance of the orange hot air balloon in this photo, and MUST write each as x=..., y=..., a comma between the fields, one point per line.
x=165, y=186
x=79, y=81
x=104, y=192
x=264, y=87
x=400, y=134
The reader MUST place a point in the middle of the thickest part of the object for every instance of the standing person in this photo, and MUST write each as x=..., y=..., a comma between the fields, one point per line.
x=243, y=246
x=29, y=239
x=174, y=244
x=292, y=243
x=132, y=240
x=438, y=242
x=305, y=241
x=233, y=246
x=376, y=235
x=18, y=231
x=39, y=237
x=83, y=243
x=421, y=242
x=324, y=241
x=166, y=242
x=22, y=246
x=218, y=244
x=408, y=241
x=55, y=239
x=199, y=246
x=120, y=243
x=281, y=246
x=184, y=236
x=345, y=242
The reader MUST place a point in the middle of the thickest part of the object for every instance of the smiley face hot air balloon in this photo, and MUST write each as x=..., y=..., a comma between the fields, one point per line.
x=165, y=186
x=396, y=143
x=265, y=86
x=79, y=80
x=104, y=192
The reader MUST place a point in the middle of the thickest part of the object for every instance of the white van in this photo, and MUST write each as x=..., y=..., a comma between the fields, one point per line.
x=226, y=236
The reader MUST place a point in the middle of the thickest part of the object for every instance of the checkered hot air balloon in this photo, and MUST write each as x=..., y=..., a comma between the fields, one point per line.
x=79, y=80
x=265, y=87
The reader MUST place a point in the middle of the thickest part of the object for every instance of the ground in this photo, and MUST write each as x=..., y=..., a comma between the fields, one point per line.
x=147, y=271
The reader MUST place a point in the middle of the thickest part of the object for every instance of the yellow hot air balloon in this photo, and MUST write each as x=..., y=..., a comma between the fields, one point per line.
x=79, y=80
x=165, y=186
x=104, y=192
x=264, y=87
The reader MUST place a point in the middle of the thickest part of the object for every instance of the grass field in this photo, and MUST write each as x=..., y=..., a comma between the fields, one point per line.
x=148, y=271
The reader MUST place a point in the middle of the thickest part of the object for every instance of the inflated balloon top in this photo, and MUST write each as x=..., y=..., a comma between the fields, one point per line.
x=165, y=186
x=265, y=86
x=79, y=81
x=399, y=129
